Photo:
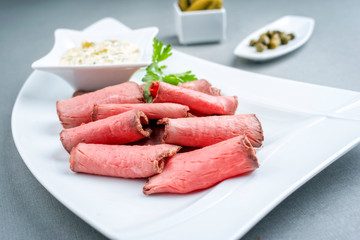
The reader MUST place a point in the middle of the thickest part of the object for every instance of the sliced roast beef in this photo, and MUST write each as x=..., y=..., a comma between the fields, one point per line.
x=201, y=85
x=155, y=138
x=204, y=131
x=151, y=110
x=120, y=160
x=119, y=129
x=198, y=102
x=205, y=167
x=77, y=110
x=78, y=93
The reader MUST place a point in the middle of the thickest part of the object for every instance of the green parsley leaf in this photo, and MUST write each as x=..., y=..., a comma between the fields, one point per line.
x=160, y=53
x=147, y=92
x=154, y=72
x=151, y=77
x=177, y=78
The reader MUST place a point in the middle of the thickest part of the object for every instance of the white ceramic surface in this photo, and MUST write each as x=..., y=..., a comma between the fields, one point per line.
x=92, y=77
x=306, y=128
x=302, y=27
x=200, y=26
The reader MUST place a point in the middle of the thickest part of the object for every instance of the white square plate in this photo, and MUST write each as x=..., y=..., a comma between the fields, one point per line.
x=306, y=128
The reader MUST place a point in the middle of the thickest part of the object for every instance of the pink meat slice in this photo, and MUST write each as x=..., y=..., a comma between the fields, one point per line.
x=155, y=138
x=151, y=110
x=205, y=131
x=120, y=160
x=198, y=102
x=78, y=93
x=119, y=129
x=201, y=85
x=77, y=110
x=205, y=167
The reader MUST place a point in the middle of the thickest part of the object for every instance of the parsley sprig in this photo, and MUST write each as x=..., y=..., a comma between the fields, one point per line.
x=154, y=72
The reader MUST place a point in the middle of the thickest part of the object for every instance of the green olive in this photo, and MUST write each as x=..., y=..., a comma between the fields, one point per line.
x=271, y=40
x=269, y=33
x=264, y=39
x=262, y=35
x=260, y=47
x=275, y=41
x=272, y=45
x=253, y=43
x=284, y=40
x=276, y=35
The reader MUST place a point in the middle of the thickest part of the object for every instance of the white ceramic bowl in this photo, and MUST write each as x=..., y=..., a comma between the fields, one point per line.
x=93, y=77
x=200, y=26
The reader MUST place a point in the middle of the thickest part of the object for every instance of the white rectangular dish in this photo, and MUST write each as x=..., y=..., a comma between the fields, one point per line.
x=301, y=27
x=306, y=128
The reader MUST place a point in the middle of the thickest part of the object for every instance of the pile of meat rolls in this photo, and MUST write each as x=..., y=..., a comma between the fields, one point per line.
x=187, y=139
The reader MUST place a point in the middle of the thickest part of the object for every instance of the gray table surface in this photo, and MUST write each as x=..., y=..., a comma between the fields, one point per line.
x=326, y=207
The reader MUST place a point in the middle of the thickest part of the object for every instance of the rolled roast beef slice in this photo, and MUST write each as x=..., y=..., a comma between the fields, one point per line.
x=201, y=85
x=151, y=110
x=120, y=160
x=205, y=167
x=77, y=110
x=78, y=93
x=119, y=129
x=205, y=131
x=198, y=102
x=155, y=138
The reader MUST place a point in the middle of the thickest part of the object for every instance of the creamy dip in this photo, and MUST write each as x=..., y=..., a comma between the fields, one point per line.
x=106, y=52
